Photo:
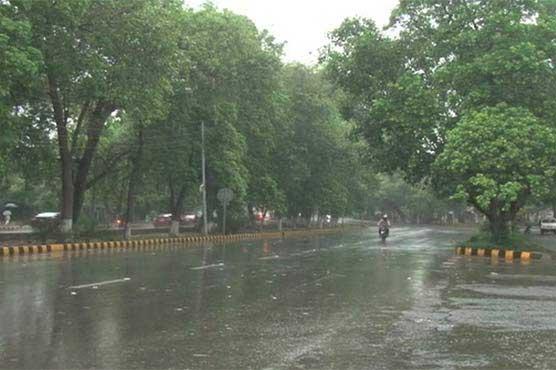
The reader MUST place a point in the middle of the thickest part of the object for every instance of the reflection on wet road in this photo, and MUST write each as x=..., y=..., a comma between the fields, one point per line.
x=327, y=302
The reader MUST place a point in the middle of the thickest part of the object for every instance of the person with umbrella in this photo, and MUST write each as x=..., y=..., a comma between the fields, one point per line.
x=7, y=214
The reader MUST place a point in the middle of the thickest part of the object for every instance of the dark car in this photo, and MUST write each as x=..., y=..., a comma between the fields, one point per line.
x=164, y=219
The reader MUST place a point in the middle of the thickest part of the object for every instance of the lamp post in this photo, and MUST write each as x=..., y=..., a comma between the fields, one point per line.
x=203, y=164
x=203, y=160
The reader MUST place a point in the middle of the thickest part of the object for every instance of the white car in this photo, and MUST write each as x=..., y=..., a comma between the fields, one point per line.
x=45, y=219
x=548, y=225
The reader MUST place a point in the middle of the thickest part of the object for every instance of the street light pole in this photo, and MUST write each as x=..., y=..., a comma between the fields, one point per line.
x=205, y=218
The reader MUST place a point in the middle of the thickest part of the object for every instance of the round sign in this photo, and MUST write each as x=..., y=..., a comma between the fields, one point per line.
x=225, y=195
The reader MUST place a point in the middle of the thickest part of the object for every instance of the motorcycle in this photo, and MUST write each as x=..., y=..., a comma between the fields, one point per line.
x=383, y=232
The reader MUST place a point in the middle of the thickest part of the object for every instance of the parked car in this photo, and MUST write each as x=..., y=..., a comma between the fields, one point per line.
x=188, y=219
x=162, y=220
x=45, y=219
x=548, y=225
x=165, y=219
x=259, y=216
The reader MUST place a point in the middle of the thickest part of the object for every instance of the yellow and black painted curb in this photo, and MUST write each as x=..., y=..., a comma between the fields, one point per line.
x=506, y=254
x=146, y=244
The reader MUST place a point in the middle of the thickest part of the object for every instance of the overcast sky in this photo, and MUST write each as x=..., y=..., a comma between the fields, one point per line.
x=304, y=24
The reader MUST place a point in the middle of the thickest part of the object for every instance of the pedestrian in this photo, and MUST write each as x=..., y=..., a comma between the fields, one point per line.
x=7, y=216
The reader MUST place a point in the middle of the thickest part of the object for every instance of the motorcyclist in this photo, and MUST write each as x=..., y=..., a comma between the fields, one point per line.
x=384, y=224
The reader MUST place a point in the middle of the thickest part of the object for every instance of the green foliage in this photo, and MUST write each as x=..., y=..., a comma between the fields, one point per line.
x=511, y=241
x=454, y=63
x=113, y=93
x=495, y=159
x=19, y=65
x=315, y=153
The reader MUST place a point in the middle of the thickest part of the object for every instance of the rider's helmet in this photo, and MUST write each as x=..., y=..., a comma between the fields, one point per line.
x=385, y=217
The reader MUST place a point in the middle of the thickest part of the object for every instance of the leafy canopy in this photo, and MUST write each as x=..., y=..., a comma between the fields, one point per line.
x=495, y=158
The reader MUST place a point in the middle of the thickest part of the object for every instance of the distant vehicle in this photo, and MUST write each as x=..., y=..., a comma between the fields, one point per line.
x=259, y=216
x=118, y=222
x=163, y=219
x=548, y=225
x=45, y=219
x=188, y=219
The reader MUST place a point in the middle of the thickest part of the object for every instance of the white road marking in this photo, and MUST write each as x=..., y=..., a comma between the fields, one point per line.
x=93, y=285
x=207, y=266
x=269, y=258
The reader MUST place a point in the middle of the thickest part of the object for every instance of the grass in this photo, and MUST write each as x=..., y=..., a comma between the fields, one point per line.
x=514, y=241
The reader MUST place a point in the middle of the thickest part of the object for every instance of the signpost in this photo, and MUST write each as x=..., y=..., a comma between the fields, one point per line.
x=203, y=160
x=224, y=196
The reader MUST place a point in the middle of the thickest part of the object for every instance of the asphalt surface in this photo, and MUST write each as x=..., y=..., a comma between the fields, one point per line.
x=335, y=302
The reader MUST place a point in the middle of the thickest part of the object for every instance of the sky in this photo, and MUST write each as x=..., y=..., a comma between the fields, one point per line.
x=304, y=24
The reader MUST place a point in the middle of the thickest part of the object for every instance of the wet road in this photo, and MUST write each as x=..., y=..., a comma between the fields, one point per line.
x=335, y=302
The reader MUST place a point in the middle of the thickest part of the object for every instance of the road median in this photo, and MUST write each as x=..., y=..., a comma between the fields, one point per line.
x=186, y=241
x=499, y=253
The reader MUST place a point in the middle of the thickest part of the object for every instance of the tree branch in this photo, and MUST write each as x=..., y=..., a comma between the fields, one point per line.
x=80, y=119
x=108, y=168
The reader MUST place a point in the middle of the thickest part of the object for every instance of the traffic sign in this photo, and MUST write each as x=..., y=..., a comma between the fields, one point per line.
x=225, y=195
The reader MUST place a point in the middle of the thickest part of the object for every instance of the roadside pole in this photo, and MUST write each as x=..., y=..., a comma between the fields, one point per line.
x=224, y=220
x=205, y=218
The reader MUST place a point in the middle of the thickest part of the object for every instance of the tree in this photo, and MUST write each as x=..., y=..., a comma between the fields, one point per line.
x=99, y=57
x=231, y=90
x=495, y=159
x=314, y=164
x=19, y=65
x=449, y=59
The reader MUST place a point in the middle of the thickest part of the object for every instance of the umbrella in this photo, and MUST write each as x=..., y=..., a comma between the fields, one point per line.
x=10, y=205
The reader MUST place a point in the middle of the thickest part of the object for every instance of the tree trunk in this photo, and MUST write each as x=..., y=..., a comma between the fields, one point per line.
x=65, y=157
x=498, y=227
x=176, y=206
x=94, y=131
x=263, y=216
x=133, y=185
x=251, y=214
x=174, y=228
